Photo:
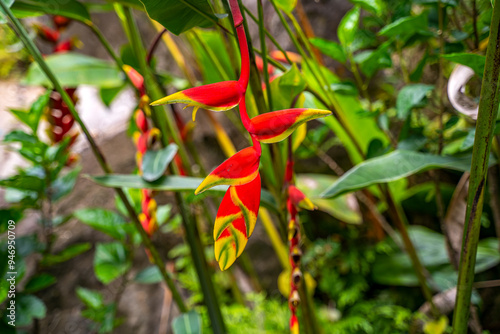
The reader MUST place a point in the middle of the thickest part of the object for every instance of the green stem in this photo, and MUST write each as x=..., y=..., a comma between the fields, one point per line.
x=488, y=108
x=23, y=35
x=262, y=34
x=166, y=123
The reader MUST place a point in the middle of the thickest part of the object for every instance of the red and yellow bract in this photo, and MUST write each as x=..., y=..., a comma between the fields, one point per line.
x=239, y=169
x=235, y=221
x=275, y=126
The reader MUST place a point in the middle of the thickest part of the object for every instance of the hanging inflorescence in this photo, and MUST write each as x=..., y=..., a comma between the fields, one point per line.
x=238, y=210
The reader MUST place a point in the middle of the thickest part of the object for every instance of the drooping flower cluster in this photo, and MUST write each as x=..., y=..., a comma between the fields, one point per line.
x=58, y=115
x=238, y=211
x=295, y=200
x=144, y=138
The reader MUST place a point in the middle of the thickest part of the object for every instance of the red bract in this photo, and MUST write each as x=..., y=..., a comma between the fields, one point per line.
x=46, y=33
x=60, y=22
x=219, y=96
x=136, y=78
x=275, y=126
x=239, y=169
x=298, y=199
x=235, y=221
x=64, y=46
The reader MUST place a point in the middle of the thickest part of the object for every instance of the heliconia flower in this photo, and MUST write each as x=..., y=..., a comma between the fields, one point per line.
x=294, y=324
x=239, y=169
x=298, y=198
x=67, y=45
x=136, y=78
x=60, y=22
x=218, y=96
x=141, y=121
x=280, y=56
x=275, y=126
x=235, y=221
x=47, y=33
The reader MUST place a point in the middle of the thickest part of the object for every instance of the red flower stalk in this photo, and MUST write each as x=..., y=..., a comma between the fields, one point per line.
x=60, y=22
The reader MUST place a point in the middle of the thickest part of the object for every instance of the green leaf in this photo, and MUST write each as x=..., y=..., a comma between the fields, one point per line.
x=27, y=308
x=23, y=182
x=286, y=5
x=32, y=117
x=91, y=299
x=330, y=48
x=154, y=163
x=110, y=261
x=39, y=282
x=286, y=87
x=392, y=167
x=472, y=60
x=187, y=323
x=374, y=6
x=312, y=185
x=371, y=61
x=150, y=275
x=169, y=183
x=9, y=3
x=65, y=255
x=63, y=185
x=405, y=26
x=348, y=27
x=178, y=15
x=69, y=8
x=106, y=221
x=73, y=69
x=109, y=94
x=411, y=96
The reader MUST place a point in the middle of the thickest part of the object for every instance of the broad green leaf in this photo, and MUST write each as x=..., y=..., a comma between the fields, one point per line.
x=395, y=268
x=32, y=117
x=110, y=261
x=374, y=6
x=187, y=323
x=9, y=3
x=348, y=27
x=154, y=163
x=65, y=255
x=150, y=275
x=73, y=69
x=169, y=183
x=411, y=96
x=23, y=182
x=39, y=282
x=63, y=185
x=69, y=8
x=405, y=26
x=106, y=221
x=180, y=15
x=92, y=299
x=330, y=48
x=27, y=308
x=286, y=5
x=286, y=87
x=472, y=60
x=392, y=167
x=312, y=185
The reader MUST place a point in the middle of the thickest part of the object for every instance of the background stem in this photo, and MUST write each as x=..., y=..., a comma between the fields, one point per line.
x=488, y=108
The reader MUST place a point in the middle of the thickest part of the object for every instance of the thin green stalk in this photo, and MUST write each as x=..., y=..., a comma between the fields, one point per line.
x=213, y=58
x=23, y=35
x=163, y=119
x=262, y=34
x=488, y=108
x=268, y=34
